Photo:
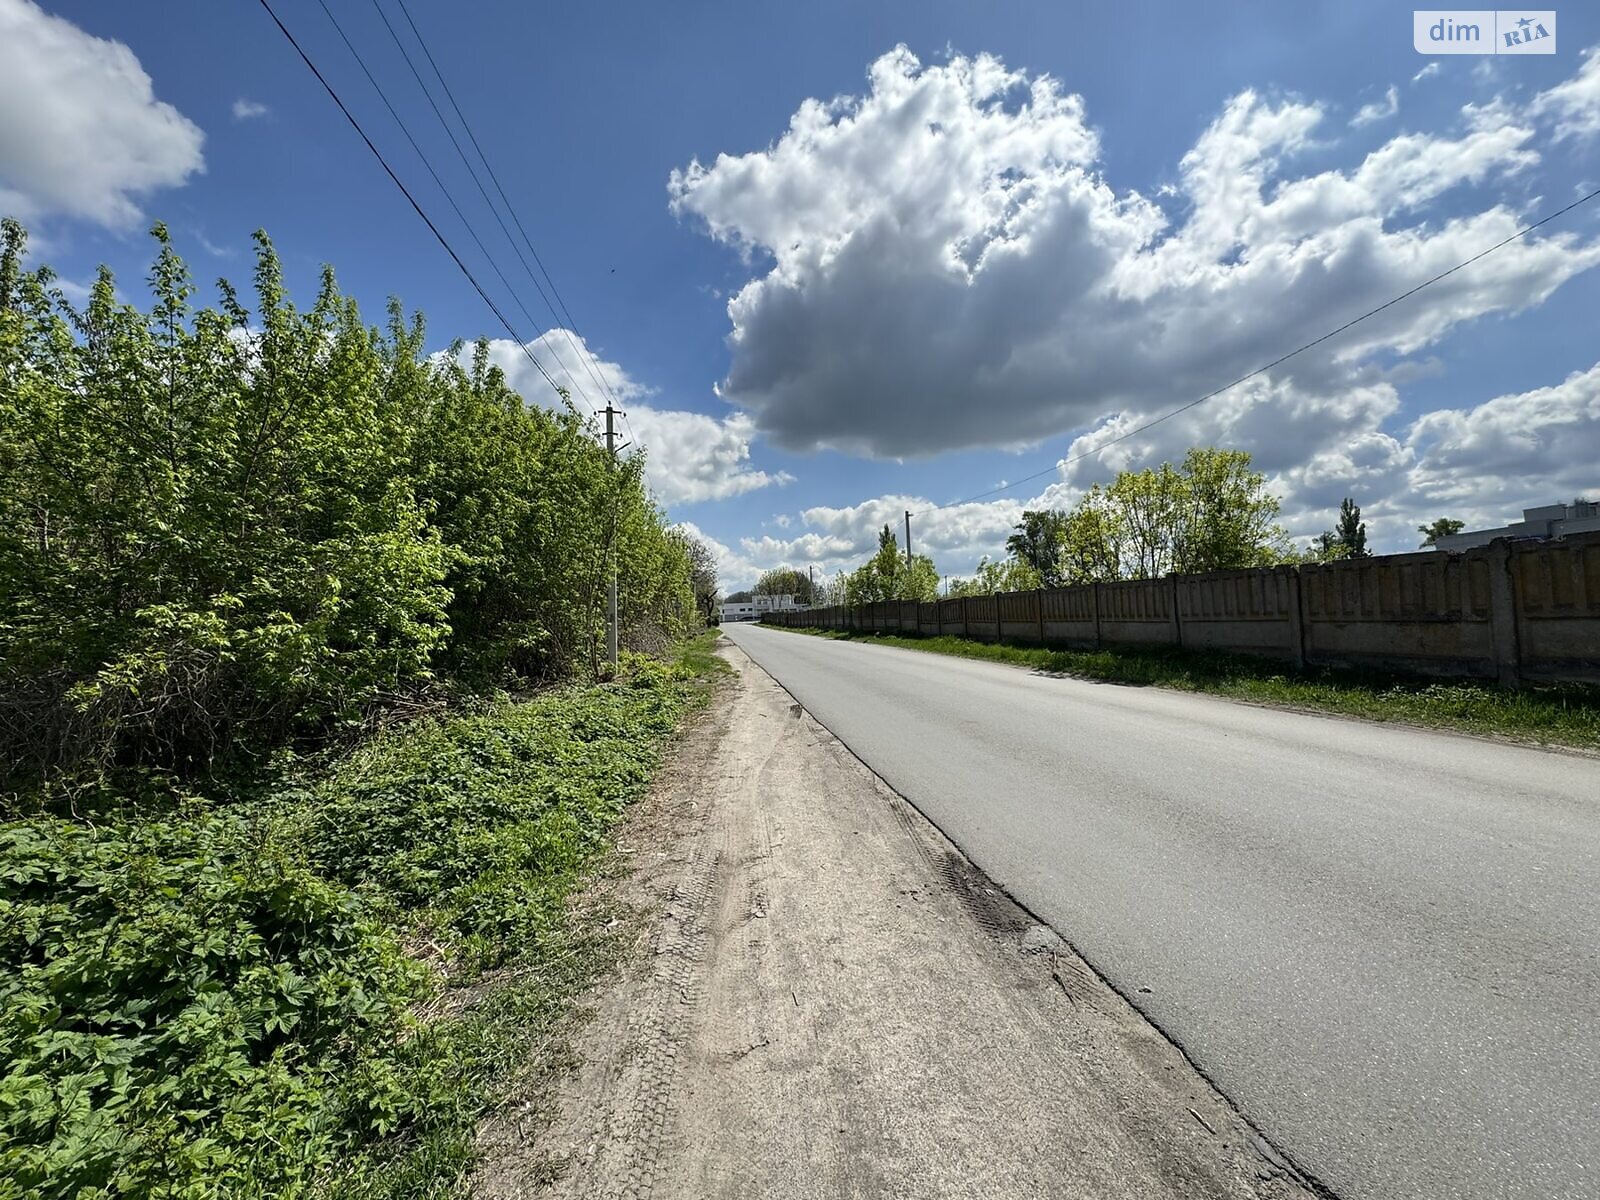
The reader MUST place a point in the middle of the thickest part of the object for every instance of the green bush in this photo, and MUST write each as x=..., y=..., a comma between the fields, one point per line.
x=228, y=539
x=187, y=1010
x=222, y=530
x=223, y=1001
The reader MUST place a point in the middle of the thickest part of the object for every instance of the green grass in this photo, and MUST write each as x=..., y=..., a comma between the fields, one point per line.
x=1561, y=716
x=321, y=989
x=698, y=656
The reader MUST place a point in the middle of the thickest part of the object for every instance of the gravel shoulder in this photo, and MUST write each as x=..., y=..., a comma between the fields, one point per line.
x=827, y=999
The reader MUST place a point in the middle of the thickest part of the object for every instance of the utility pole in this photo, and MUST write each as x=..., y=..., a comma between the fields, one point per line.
x=811, y=574
x=611, y=564
x=908, y=537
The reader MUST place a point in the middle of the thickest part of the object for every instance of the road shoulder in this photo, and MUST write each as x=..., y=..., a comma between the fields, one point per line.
x=827, y=999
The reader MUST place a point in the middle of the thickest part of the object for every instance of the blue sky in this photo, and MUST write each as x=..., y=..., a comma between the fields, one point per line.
x=1029, y=228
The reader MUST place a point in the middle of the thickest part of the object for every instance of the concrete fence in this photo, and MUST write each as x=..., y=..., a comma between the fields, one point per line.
x=1509, y=611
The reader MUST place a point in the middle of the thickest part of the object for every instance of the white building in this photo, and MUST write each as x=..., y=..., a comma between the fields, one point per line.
x=1547, y=521
x=751, y=610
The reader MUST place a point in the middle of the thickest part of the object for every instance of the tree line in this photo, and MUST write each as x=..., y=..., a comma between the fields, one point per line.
x=1211, y=512
x=223, y=527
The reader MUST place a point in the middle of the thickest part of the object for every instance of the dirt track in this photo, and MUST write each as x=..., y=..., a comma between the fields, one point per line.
x=830, y=1001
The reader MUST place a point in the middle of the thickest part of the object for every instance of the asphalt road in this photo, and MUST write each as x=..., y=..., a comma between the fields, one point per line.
x=1383, y=944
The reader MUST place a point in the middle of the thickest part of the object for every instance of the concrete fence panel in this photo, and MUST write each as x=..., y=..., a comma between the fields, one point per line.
x=1508, y=611
x=983, y=618
x=1556, y=594
x=910, y=617
x=1427, y=612
x=953, y=617
x=1019, y=616
x=1138, y=612
x=1249, y=611
x=1071, y=616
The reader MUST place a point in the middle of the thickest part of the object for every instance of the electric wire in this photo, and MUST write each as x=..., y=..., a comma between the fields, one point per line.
x=472, y=174
x=412, y=200
x=445, y=191
x=1182, y=408
x=565, y=321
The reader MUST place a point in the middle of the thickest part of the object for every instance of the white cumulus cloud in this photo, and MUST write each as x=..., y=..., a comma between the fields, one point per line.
x=245, y=109
x=1378, y=110
x=942, y=262
x=1481, y=463
x=1575, y=104
x=81, y=131
x=689, y=456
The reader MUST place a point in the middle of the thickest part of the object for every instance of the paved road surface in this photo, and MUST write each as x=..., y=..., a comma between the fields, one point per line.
x=1384, y=944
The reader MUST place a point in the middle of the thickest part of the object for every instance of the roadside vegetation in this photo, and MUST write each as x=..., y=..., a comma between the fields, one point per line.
x=1560, y=716
x=305, y=742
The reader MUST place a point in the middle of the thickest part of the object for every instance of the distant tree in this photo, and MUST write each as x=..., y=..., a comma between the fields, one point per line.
x=1039, y=542
x=1325, y=547
x=738, y=598
x=1352, y=530
x=887, y=575
x=785, y=581
x=702, y=575
x=1228, y=519
x=1212, y=512
x=1007, y=575
x=1091, y=546
x=1443, y=527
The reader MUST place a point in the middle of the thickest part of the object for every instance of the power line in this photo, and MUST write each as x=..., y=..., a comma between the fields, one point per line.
x=565, y=321
x=473, y=174
x=1182, y=408
x=471, y=232
x=406, y=192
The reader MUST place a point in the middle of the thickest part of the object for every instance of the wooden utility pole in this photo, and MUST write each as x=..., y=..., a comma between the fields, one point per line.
x=611, y=565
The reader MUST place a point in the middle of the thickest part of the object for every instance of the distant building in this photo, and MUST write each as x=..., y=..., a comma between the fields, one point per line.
x=752, y=609
x=1547, y=521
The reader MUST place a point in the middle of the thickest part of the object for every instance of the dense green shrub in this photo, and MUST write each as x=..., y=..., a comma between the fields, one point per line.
x=223, y=529
x=185, y=1006
x=227, y=538
x=223, y=1002
x=487, y=819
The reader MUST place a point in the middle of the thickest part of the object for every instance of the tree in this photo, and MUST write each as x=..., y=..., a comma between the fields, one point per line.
x=1325, y=547
x=1228, y=519
x=887, y=576
x=785, y=581
x=1443, y=527
x=222, y=530
x=1091, y=547
x=1038, y=542
x=738, y=598
x=702, y=575
x=1351, y=531
x=1209, y=513
x=1007, y=575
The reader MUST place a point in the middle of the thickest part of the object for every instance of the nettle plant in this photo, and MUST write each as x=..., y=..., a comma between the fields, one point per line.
x=189, y=1011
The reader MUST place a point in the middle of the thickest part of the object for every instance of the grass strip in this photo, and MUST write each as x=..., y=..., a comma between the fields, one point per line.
x=321, y=990
x=1566, y=716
